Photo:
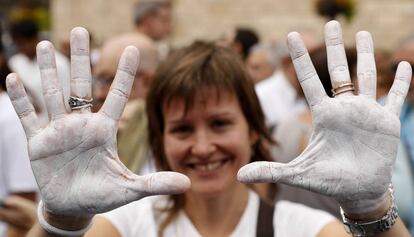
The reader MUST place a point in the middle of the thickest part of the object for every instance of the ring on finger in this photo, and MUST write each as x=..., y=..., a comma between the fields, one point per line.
x=345, y=87
x=79, y=103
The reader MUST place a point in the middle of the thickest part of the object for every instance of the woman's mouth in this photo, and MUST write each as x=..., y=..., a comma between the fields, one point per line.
x=210, y=166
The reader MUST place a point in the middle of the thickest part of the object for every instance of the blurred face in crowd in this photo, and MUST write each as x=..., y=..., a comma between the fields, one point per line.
x=101, y=85
x=405, y=53
x=209, y=142
x=160, y=23
x=259, y=66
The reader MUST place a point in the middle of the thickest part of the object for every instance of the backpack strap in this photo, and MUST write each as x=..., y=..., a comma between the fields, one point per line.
x=264, y=226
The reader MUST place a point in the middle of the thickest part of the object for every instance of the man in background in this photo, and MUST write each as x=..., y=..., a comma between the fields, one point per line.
x=25, y=35
x=153, y=19
x=133, y=146
x=16, y=176
x=261, y=62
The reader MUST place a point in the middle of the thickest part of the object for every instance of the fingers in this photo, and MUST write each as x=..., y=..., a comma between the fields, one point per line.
x=366, y=70
x=80, y=82
x=52, y=90
x=122, y=84
x=18, y=212
x=307, y=76
x=22, y=105
x=337, y=63
x=399, y=88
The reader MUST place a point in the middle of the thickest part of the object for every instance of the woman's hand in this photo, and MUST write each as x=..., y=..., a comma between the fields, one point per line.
x=74, y=158
x=354, y=141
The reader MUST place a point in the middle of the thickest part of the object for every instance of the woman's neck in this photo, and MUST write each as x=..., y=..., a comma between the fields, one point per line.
x=217, y=215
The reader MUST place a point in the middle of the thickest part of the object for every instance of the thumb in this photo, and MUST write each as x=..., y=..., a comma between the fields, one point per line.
x=267, y=172
x=161, y=183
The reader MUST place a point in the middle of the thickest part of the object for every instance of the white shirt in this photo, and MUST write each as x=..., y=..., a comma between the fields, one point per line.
x=290, y=219
x=278, y=98
x=28, y=71
x=15, y=172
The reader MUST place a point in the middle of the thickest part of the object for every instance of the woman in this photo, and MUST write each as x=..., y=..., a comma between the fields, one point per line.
x=203, y=130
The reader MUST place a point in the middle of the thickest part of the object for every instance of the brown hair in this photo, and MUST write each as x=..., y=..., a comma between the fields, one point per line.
x=185, y=74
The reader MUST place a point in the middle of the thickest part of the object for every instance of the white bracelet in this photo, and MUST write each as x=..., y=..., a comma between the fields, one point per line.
x=53, y=230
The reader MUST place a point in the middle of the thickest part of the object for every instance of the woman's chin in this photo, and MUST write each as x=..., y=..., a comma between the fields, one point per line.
x=212, y=189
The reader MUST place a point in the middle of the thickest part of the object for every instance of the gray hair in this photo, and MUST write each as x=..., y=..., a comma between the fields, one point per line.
x=145, y=8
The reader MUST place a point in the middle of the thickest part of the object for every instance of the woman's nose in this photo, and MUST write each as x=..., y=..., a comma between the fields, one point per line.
x=203, y=146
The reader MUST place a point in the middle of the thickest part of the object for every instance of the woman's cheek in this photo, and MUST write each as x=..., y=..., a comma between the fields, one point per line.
x=175, y=151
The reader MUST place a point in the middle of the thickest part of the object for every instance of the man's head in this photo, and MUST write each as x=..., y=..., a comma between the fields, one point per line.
x=405, y=52
x=261, y=62
x=106, y=67
x=153, y=18
x=244, y=39
x=25, y=36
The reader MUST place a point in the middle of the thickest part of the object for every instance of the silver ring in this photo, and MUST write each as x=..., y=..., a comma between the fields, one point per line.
x=79, y=103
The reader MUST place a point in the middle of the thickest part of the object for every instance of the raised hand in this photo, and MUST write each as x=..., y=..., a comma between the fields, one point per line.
x=354, y=141
x=74, y=158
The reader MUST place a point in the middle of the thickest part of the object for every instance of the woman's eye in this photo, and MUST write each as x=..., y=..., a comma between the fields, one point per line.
x=181, y=129
x=220, y=123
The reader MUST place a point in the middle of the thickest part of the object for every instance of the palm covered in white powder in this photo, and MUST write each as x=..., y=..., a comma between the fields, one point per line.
x=354, y=141
x=74, y=158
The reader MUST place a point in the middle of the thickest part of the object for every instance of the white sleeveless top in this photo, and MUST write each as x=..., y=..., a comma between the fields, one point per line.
x=290, y=219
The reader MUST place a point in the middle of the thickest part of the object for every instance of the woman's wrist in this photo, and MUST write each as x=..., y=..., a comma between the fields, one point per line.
x=62, y=224
x=368, y=208
x=375, y=222
x=375, y=214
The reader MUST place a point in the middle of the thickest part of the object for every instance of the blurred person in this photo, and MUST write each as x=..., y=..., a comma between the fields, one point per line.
x=153, y=18
x=19, y=213
x=240, y=40
x=405, y=51
x=261, y=62
x=403, y=174
x=25, y=35
x=16, y=177
x=280, y=95
x=243, y=41
x=132, y=146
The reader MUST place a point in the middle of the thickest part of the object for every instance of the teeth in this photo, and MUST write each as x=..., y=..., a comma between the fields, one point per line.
x=209, y=166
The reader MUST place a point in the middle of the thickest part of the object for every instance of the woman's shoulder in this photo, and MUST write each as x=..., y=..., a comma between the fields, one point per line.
x=145, y=206
x=137, y=217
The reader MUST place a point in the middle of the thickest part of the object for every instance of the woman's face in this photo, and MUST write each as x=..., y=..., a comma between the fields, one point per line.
x=210, y=142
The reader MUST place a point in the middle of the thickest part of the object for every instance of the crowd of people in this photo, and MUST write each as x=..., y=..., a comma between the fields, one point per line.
x=235, y=137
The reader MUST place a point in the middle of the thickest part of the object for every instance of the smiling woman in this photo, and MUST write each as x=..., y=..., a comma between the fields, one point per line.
x=205, y=122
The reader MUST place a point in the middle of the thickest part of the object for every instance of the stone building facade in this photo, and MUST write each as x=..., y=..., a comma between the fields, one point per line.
x=387, y=20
